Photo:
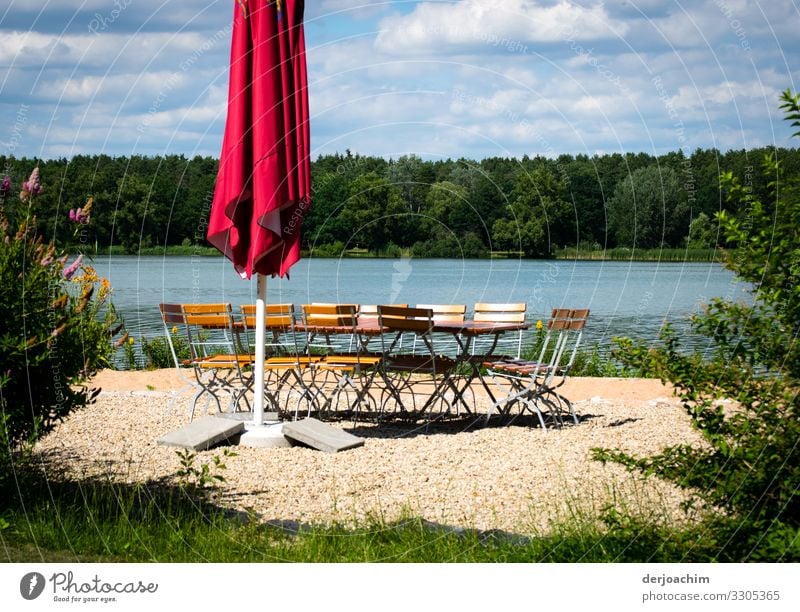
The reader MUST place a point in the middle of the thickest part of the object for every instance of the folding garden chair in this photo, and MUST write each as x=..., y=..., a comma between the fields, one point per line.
x=369, y=312
x=329, y=312
x=444, y=312
x=342, y=373
x=499, y=313
x=288, y=370
x=217, y=357
x=534, y=384
x=172, y=319
x=278, y=323
x=404, y=374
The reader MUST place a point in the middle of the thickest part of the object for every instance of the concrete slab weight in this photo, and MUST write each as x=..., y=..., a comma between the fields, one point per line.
x=321, y=436
x=204, y=433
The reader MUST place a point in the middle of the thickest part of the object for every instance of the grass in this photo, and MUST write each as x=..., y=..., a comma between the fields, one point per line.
x=589, y=361
x=93, y=521
x=626, y=254
x=160, y=251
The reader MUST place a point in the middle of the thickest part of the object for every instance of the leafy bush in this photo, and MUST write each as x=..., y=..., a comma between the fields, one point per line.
x=743, y=398
x=590, y=361
x=55, y=331
x=157, y=354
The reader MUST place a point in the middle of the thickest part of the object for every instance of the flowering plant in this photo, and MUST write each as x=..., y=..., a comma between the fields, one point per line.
x=32, y=187
x=56, y=328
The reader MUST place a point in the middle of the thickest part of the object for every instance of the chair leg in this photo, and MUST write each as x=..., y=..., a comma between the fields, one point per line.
x=197, y=396
x=532, y=404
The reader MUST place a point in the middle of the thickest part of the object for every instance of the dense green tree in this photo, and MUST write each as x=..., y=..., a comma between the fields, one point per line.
x=413, y=177
x=364, y=214
x=648, y=209
x=165, y=200
x=539, y=216
x=585, y=193
x=322, y=224
x=702, y=233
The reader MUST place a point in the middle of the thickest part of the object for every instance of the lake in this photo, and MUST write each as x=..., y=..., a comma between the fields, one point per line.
x=625, y=298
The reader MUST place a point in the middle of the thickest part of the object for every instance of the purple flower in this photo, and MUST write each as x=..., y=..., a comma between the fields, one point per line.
x=32, y=187
x=34, y=184
x=81, y=215
x=5, y=187
x=78, y=216
x=73, y=267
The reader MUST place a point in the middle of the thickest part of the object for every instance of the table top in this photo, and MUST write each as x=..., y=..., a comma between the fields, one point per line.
x=370, y=326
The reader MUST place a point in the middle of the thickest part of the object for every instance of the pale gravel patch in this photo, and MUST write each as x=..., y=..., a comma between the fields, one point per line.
x=511, y=478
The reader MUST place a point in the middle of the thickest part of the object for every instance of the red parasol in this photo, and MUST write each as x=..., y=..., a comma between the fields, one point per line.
x=263, y=188
x=264, y=182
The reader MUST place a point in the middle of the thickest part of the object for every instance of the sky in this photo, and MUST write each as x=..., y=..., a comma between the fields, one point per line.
x=439, y=79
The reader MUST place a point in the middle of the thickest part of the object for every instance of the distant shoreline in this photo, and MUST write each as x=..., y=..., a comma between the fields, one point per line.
x=572, y=254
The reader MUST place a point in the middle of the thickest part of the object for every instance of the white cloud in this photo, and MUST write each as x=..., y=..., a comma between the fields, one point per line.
x=491, y=27
x=140, y=51
x=722, y=94
x=360, y=9
x=457, y=78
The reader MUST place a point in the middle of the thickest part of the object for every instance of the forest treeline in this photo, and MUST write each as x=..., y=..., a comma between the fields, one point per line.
x=450, y=208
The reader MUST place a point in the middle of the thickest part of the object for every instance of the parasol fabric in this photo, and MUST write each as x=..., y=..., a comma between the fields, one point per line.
x=263, y=187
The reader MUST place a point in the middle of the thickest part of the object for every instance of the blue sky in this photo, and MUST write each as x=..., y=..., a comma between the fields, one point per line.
x=468, y=78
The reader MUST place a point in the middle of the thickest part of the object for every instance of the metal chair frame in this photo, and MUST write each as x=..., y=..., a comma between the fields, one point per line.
x=226, y=369
x=342, y=372
x=288, y=371
x=534, y=384
x=403, y=372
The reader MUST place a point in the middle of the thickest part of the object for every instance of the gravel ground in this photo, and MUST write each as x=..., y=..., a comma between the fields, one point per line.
x=515, y=478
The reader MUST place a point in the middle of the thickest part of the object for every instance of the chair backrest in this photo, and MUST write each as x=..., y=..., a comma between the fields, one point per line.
x=489, y=312
x=171, y=314
x=213, y=316
x=371, y=310
x=277, y=317
x=279, y=321
x=500, y=313
x=560, y=319
x=171, y=317
x=567, y=325
x=446, y=312
x=211, y=329
x=399, y=318
x=338, y=315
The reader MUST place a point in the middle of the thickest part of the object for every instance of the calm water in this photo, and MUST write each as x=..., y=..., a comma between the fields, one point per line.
x=626, y=298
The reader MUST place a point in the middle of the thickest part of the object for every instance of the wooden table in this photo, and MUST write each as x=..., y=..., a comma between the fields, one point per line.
x=463, y=332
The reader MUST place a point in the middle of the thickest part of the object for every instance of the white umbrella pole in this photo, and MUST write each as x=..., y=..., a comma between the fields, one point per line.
x=258, y=385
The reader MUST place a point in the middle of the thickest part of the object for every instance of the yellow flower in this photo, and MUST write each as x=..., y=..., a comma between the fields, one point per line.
x=539, y=324
x=89, y=274
x=131, y=340
x=105, y=287
x=174, y=329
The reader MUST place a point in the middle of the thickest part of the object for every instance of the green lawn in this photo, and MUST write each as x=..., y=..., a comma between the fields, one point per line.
x=98, y=522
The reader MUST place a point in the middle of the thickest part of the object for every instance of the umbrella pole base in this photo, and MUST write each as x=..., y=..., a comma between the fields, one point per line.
x=268, y=435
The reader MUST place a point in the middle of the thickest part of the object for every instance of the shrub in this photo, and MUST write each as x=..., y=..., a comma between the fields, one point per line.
x=55, y=332
x=157, y=354
x=743, y=398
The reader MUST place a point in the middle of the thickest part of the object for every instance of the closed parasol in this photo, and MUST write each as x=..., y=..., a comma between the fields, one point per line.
x=263, y=187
